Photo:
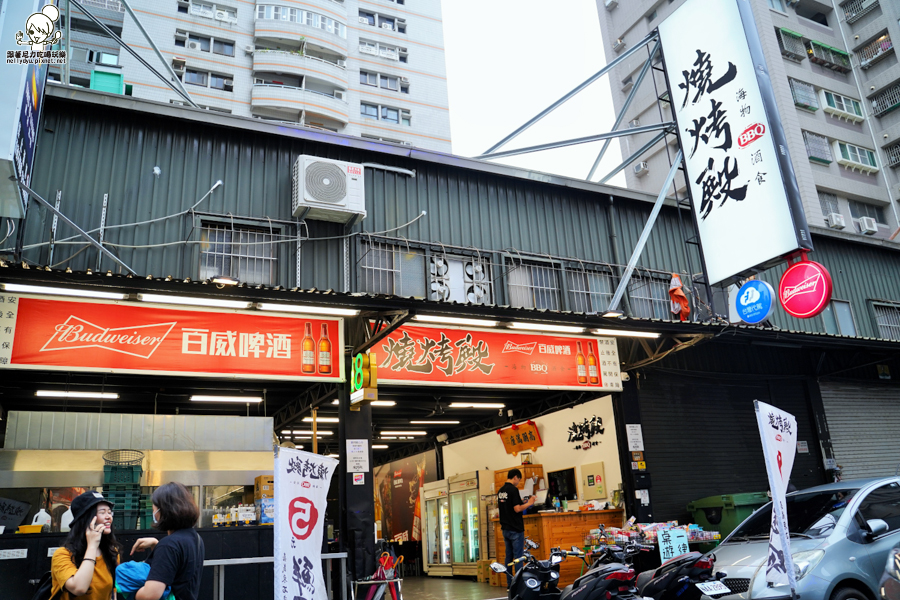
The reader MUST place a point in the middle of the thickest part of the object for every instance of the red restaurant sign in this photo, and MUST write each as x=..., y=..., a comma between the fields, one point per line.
x=123, y=337
x=805, y=289
x=449, y=356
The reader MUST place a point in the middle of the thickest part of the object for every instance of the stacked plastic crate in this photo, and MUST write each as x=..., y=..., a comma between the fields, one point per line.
x=122, y=485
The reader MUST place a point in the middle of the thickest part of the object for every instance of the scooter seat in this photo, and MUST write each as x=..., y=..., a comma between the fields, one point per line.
x=643, y=579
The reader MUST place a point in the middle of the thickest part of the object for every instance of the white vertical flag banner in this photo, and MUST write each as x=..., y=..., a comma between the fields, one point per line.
x=778, y=431
x=301, y=487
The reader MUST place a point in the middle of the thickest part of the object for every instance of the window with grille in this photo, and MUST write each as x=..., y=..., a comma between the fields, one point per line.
x=817, y=147
x=886, y=100
x=829, y=203
x=589, y=291
x=888, y=320
x=533, y=285
x=465, y=279
x=649, y=297
x=804, y=94
x=861, y=209
x=392, y=269
x=893, y=155
x=245, y=253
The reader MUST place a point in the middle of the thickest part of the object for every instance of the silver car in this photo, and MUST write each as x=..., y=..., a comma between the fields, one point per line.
x=841, y=534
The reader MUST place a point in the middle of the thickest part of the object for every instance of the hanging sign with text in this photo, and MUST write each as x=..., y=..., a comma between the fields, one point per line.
x=125, y=337
x=523, y=436
x=413, y=355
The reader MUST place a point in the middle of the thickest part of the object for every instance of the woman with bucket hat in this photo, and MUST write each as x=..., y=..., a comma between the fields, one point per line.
x=84, y=565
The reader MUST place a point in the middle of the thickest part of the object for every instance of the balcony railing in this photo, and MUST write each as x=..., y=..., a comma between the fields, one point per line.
x=804, y=95
x=791, y=44
x=107, y=4
x=893, y=155
x=886, y=100
x=854, y=10
x=875, y=51
x=828, y=57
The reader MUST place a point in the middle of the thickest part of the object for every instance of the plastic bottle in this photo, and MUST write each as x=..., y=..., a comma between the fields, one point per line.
x=65, y=521
x=42, y=518
x=565, y=505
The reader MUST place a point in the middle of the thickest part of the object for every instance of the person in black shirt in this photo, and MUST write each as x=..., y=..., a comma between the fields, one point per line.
x=177, y=559
x=511, y=508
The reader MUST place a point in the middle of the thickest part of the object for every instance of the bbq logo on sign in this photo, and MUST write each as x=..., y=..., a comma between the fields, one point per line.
x=751, y=134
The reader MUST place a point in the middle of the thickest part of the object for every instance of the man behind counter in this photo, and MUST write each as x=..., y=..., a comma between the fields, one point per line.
x=511, y=509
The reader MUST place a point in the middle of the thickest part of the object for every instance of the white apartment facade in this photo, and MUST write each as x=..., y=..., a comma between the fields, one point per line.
x=836, y=78
x=370, y=68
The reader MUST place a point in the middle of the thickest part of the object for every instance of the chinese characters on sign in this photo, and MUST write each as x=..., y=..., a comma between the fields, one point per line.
x=517, y=438
x=584, y=432
x=449, y=356
x=672, y=542
x=743, y=188
x=122, y=337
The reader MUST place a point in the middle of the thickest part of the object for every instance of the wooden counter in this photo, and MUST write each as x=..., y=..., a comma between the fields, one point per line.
x=561, y=530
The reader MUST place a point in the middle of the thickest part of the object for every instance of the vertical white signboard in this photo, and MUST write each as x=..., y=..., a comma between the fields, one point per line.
x=745, y=195
x=301, y=486
x=778, y=431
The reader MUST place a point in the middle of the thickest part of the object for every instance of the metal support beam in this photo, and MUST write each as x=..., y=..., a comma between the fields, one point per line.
x=316, y=395
x=624, y=56
x=621, y=116
x=581, y=140
x=645, y=235
x=385, y=325
x=72, y=224
x=634, y=155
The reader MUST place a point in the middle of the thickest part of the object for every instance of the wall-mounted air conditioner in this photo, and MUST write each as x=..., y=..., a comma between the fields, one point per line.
x=341, y=63
x=868, y=226
x=249, y=48
x=835, y=220
x=221, y=15
x=641, y=169
x=180, y=35
x=634, y=123
x=364, y=20
x=229, y=83
x=611, y=4
x=387, y=26
x=194, y=45
x=340, y=95
x=178, y=65
x=619, y=45
x=404, y=80
x=328, y=190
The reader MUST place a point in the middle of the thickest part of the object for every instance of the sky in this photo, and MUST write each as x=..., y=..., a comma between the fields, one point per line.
x=507, y=60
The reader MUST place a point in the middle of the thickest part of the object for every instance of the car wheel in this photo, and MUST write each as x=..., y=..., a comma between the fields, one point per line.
x=848, y=593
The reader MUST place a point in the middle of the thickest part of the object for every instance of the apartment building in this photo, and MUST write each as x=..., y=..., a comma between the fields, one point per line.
x=369, y=68
x=836, y=78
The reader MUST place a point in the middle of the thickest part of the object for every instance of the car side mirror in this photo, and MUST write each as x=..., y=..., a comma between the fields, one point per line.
x=877, y=527
x=498, y=568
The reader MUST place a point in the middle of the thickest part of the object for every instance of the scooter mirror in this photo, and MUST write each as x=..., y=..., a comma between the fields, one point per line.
x=532, y=544
x=498, y=568
x=576, y=549
x=556, y=559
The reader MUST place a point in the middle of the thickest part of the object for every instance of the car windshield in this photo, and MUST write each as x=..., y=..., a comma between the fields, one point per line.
x=813, y=514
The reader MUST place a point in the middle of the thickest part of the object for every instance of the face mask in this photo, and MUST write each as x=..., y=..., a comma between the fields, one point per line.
x=154, y=516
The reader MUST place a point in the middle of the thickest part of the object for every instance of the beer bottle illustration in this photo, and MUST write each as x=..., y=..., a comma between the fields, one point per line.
x=593, y=373
x=308, y=354
x=582, y=369
x=324, y=351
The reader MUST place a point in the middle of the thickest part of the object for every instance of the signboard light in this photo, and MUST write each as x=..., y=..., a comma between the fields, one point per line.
x=62, y=394
x=237, y=399
x=546, y=327
x=53, y=291
x=192, y=301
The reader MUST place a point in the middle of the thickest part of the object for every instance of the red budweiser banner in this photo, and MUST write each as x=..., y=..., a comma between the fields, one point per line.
x=496, y=358
x=121, y=337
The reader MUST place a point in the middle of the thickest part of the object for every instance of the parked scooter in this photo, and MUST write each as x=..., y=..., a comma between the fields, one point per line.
x=533, y=579
x=610, y=577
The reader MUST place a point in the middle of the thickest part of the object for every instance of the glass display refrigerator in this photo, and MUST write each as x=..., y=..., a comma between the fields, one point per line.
x=465, y=523
x=436, y=554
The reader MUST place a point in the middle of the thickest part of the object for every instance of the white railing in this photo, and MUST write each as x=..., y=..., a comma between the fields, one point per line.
x=388, y=53
x=298, y=55
x=854, y=10
x=893, y=154
x=873, y=52
x=107, y=4
x=299, y=89
x=886, y=100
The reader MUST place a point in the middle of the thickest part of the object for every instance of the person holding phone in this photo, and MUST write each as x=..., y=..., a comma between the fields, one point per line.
x=83, y=567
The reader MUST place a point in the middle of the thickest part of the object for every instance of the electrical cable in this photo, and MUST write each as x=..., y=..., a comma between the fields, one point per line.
x=10, y=228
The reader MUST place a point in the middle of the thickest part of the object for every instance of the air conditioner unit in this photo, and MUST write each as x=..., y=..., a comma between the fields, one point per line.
x=627, y=84
x=406, y=143
x=619, y=45
x=387, y=26
x=835, y=220
x=868, y=226
x=178, y=65
x=249, y=48
x=340, y=95
x=194, y=45
x=611, y=4
x=229, y=83
x=328, y=190
x=404, y=80
x=364, y=20
x=221, y=15
x=634, y=123
x=341, y=63
x=641, y=169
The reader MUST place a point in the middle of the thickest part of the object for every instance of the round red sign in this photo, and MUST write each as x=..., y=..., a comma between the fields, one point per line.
x=805, y=289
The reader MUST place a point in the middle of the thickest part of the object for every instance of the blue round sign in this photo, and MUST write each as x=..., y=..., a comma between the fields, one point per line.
x=755, y=302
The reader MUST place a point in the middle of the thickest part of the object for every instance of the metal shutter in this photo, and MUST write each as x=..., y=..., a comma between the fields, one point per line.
x=864, y=421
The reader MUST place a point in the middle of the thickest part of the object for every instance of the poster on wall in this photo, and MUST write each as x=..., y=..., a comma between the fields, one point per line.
x=746, y=200
x=396, y=487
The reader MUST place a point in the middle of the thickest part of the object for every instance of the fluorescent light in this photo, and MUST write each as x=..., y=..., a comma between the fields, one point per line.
x=308, y=433
x=434, y=422
x=404, y=433
x=613, y=314
x=321, y=420
x=455, y=321
x=240, y=399
x=388, y=437
x=333, y=455
x=191, y=301
x=298, y=446
x=379, y=446
x=225, y=280
x=39, y=289
x=545, y=327
x=383, y=403
x=336, y=402
x=55, y=394
x=307, y=310
x=476, y=405
x=622, y=332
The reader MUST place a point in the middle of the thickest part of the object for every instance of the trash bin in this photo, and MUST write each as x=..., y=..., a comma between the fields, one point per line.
x=724, y=513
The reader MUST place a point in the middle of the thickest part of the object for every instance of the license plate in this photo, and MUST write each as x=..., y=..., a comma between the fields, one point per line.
x=713, y=588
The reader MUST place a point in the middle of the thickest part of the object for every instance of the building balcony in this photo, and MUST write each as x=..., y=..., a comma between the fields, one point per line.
x=293, y=63
x=875, y=51
x=293, y=33
x=828, y=57
x=854, y=10
x=886, y=100
x=285, y=102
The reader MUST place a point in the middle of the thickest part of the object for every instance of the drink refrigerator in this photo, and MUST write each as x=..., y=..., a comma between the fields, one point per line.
x=468, y=520
x=436, y=529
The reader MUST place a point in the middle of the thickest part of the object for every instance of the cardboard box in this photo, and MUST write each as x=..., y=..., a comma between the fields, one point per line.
x=498, y=579
x=264, y=487
x=265, y=511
